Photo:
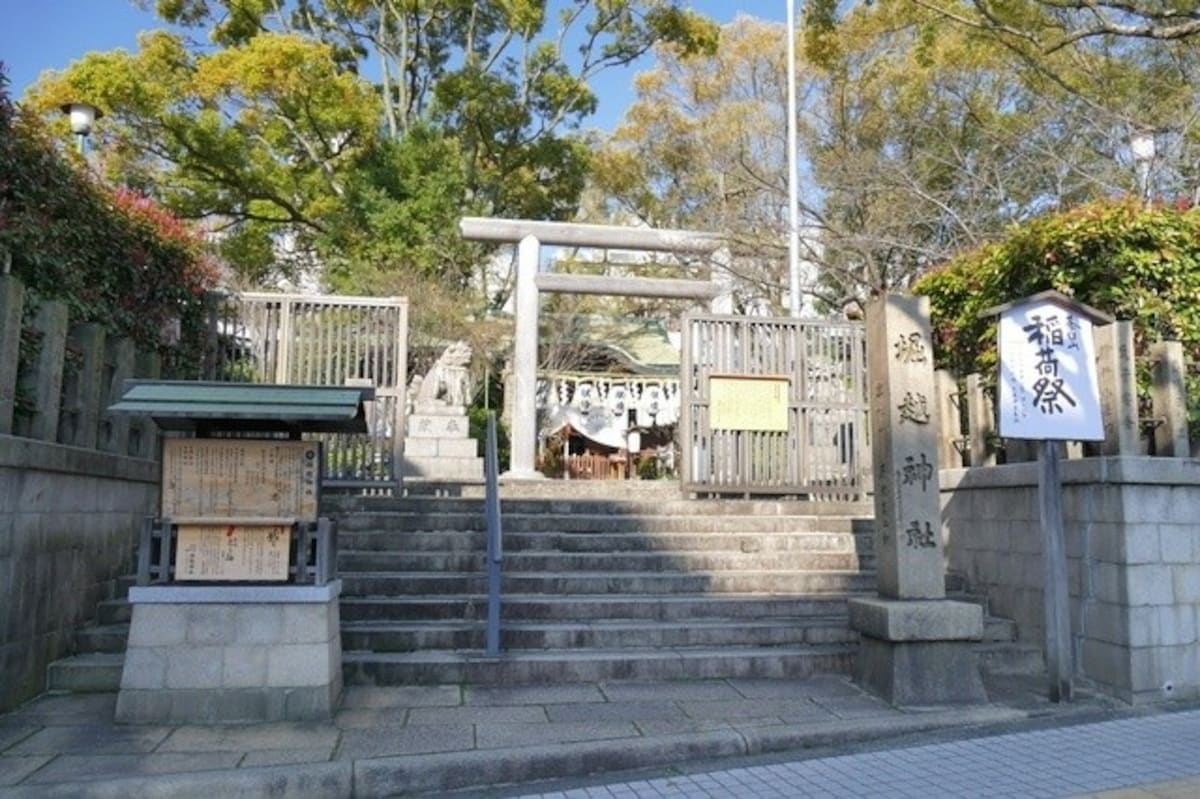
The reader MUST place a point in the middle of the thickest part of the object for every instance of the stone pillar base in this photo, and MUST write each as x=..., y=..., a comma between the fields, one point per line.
x=227, y=654
x=919, y=652
x=438, y=446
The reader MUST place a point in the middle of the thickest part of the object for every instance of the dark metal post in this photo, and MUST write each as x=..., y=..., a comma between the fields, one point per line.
x=495, y=548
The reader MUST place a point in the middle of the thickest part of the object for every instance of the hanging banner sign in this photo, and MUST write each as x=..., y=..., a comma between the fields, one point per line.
x=1048, y=388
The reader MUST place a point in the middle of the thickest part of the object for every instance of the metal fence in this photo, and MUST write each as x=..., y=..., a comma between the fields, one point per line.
x=326, y=341
x=824, y=451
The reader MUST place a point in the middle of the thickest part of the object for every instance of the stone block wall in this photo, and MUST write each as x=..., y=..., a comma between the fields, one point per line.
x=1132, y=527
x=200, y=654
x=69, y=521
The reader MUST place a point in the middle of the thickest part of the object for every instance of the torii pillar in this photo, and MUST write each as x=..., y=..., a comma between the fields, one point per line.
x=529, y=236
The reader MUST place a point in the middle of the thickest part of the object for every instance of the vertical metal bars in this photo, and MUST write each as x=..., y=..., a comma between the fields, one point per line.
x=324, y=340
x=824, y=451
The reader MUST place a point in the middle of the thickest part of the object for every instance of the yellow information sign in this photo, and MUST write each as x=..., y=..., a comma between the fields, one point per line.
x=743, y=402
x=223, y=477
x=232, y=552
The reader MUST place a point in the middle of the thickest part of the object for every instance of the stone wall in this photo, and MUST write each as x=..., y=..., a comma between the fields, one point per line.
x=1132, y=528
x=69, y=521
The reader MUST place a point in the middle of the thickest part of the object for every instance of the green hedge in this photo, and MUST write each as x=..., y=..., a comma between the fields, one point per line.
x=1136, y=263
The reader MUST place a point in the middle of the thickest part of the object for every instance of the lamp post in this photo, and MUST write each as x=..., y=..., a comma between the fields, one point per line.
x=1143, y=147
x=83, y=117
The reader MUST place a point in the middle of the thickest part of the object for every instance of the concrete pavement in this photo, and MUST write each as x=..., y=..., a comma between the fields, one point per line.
x=414, y=740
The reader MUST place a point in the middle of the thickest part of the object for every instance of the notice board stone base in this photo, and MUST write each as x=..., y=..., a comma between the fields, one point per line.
x=230, y=654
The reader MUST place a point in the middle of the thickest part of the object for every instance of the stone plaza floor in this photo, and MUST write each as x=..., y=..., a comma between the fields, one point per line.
x=712, y=738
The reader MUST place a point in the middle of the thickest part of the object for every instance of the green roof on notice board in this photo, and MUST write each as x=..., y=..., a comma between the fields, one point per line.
x=200, y=407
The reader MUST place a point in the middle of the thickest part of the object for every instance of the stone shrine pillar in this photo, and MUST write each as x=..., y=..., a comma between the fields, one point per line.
x=916, y=645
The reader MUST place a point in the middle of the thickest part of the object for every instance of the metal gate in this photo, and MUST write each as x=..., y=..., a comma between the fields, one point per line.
x=326, y=341
x=822, y=453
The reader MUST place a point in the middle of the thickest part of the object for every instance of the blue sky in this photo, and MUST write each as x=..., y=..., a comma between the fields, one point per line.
x=48, y=34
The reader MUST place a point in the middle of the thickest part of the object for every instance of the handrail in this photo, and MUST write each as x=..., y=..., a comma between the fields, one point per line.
x=495, y=545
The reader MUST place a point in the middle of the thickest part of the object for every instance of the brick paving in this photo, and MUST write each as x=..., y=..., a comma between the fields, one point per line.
x=1131, y=758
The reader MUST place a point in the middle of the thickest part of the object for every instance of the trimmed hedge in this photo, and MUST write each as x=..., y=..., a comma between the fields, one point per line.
x=1136, y=263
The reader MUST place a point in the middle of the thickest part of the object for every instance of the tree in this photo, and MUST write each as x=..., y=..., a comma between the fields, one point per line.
x=252, y=140
x=275, y=136
x=918, y=138
x=1051, y=25
x=703, y=148
x=1136, y=263
x=114, y=257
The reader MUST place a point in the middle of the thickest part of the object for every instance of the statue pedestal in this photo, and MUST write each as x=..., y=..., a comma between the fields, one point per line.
x=438, y=446
x=918, y=651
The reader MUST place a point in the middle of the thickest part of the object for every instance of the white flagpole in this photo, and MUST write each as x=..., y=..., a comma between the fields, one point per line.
x=793, y=191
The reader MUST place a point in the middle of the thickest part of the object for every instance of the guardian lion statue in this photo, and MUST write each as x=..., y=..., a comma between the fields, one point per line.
x=448, y=381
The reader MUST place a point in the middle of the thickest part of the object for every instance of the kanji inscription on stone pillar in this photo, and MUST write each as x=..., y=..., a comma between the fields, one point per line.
x=904, y=422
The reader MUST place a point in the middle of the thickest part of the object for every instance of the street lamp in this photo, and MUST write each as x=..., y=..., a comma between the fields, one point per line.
x=1143, y=147
x=83, y=117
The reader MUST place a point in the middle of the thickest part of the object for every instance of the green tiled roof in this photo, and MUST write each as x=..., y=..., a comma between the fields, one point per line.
x=642, y=345
x=256, y=407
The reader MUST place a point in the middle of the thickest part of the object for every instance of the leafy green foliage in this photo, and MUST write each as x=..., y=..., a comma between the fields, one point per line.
x=477, y=423
x=402, y=207
x=270, y=133
x=113, y=256
x=257, y=139
x=1140, y=264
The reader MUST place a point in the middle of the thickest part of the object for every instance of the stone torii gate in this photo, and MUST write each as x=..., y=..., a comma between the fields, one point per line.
x=529, y=236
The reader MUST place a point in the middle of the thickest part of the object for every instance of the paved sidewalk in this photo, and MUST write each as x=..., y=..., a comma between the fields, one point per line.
x=1132, y=758
x=412, y=740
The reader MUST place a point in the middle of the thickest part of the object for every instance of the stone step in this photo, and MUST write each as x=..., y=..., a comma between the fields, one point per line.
x=636, y=541
x=102, y=638
x=366, y=584
x=113, y=611
x=353, y=561
x=629, y=505
x=465, y=635
x=95, y=672
x=408, y=636
x=998, y=630
x=587, y=665
x=124, y=583
x=1012, y=657
x=603, y=523
x=526, y=607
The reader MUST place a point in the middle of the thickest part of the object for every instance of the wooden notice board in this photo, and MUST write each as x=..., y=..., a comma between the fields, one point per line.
x=232, y=552
x=241, y=477
x=745, y=402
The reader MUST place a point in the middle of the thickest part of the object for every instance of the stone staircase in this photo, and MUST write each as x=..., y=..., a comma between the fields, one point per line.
x=99, y=647
x=597, y=589
x=648, y=587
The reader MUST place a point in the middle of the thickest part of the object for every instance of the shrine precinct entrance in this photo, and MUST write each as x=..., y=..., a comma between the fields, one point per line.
x=813, y=373
x=529, y=236
x=323, y=340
